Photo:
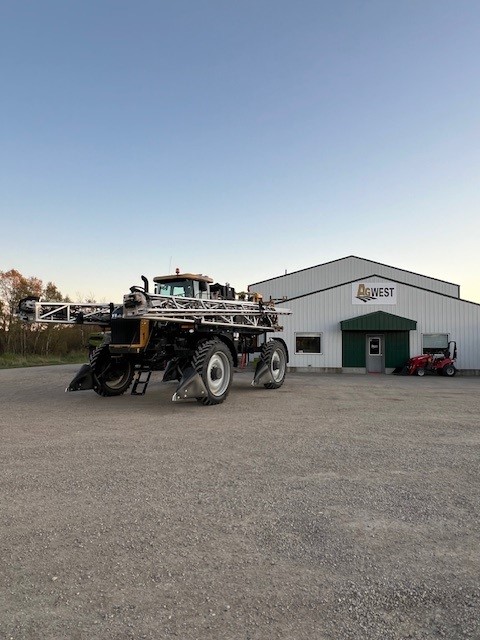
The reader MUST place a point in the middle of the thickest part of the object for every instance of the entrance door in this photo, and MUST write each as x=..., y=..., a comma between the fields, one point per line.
x=375, y=359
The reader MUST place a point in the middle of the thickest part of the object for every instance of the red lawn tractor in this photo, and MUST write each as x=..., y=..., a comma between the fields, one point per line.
x=442, y=363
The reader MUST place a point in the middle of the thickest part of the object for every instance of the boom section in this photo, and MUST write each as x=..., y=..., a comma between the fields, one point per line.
x=31, y=310
x=236, y=314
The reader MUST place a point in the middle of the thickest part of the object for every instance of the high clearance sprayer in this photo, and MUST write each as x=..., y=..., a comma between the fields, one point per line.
x=193, y=330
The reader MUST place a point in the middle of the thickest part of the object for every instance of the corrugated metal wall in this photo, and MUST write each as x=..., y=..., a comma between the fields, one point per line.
x=354, y=348
x=397, y=348
x=434, y=313
x=345, y=270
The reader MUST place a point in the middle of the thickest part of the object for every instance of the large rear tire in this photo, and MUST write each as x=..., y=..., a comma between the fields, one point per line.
x=112, y=377
x=449, y=370
x=214, y=363
x=273, y=354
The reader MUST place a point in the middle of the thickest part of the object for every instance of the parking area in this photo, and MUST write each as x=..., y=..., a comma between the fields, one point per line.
x=337, y=507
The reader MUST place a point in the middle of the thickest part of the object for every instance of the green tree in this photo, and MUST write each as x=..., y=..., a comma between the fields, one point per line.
x=53, y=337
x=50, y=293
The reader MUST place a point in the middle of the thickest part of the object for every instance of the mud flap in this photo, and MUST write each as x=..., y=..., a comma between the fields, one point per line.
x=83, y=380
x=263, y=375
x=191, y=386
x=172, y=371
x=401, y=371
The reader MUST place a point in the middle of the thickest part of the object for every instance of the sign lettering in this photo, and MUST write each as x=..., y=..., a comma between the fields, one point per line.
x=374, y=293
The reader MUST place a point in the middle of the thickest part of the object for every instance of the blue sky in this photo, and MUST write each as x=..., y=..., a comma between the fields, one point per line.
x=238, y=138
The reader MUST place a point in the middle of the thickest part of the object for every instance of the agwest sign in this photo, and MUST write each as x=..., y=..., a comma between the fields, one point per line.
x=374, y=293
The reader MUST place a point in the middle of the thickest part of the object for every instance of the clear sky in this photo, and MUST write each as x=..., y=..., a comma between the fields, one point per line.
x=238, y=138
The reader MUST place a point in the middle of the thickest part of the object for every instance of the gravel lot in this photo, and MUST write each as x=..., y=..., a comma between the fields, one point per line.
x=336, y=507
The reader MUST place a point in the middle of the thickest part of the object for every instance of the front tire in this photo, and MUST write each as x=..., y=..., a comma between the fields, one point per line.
x=273, y=354
x=214, y=363
x=112, y=377
x=420, y=371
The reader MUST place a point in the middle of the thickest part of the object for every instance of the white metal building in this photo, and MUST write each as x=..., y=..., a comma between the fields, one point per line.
x=357, y=315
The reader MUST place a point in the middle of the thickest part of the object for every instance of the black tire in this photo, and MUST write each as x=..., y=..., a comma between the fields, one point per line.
x=112, y=377
x=420, y=371
x=449, y=370
x=214, y=363
x=273, y=354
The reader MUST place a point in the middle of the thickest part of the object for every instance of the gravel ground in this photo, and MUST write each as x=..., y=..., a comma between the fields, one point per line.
x=337, y=507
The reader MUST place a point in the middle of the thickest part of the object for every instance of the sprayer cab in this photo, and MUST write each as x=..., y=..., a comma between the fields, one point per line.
x=192, y=285
x=185, y=285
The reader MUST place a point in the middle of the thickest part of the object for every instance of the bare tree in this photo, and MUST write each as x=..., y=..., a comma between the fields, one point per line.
x=13, y=287
x=19, y=338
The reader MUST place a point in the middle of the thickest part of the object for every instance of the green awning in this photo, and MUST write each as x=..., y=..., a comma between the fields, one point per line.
x=378, y=321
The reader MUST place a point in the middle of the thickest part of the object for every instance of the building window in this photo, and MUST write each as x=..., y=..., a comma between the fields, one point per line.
x=308, y=343
x=435, y=342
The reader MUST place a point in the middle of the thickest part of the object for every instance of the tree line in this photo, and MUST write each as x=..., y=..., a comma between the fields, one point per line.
x=21, y=338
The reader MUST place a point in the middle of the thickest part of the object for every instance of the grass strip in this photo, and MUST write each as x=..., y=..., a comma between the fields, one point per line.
x=13, y=360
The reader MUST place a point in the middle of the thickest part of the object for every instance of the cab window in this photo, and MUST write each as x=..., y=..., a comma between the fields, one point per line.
x=175, y=288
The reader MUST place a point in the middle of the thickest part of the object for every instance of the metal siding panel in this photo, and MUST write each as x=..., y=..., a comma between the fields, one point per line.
x=396, y=348
x=344, y=270
x=353, y=349
x=434, y=313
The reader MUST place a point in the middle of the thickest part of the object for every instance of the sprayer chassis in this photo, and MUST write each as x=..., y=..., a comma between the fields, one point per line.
x=197, y=342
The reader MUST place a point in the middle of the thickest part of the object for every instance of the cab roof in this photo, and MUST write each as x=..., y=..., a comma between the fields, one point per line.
x=174, y=277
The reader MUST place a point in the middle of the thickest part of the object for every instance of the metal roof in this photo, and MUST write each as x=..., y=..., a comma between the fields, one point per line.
x=323, y=264
x=174, y=277
x=378, y=321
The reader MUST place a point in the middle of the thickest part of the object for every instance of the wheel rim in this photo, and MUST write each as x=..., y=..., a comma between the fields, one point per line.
x=277, y=367
x=217, y=374
x=116, y=377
